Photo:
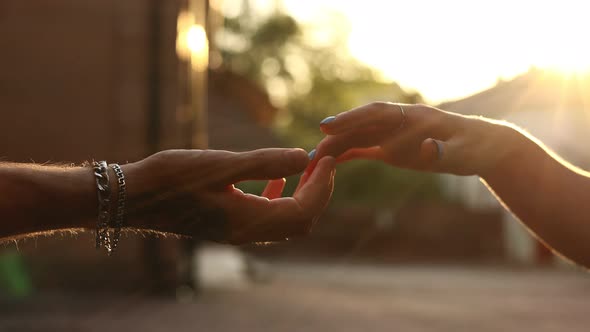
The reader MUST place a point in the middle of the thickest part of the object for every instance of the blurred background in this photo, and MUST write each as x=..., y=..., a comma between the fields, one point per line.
x=119, y=80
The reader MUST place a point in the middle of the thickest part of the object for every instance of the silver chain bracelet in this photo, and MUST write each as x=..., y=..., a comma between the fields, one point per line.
x=104, y=204
x=108, y=230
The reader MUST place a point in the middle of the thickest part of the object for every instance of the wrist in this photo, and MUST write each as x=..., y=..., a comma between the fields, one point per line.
x=138, y=186
x=503, y=144
x=82, y=191
x=69, y=195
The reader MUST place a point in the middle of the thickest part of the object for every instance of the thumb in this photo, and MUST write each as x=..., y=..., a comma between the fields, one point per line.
x=265, y=164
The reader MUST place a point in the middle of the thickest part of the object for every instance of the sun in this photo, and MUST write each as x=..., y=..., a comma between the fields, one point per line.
x=455, y=48
x=562, y=45
x=571, y=60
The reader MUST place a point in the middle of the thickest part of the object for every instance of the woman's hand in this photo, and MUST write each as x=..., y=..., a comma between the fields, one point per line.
x=419, y=137
x=546, y=193
x=191, y=192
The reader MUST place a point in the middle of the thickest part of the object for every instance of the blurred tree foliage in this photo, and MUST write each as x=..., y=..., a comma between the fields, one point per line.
x=309, y=74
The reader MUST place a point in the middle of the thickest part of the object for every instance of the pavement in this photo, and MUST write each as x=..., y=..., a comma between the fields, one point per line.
x=313, y=297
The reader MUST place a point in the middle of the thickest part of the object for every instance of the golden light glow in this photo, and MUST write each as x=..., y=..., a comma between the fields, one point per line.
x=198, y=45
x=570, y=59
x=191, y=42
x=453, y=48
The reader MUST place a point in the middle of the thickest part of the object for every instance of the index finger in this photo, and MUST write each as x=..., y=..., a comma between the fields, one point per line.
x=264, y=164
x=336, y=145
x=377, y=114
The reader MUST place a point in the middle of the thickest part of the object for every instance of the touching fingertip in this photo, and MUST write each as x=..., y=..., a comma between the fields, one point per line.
x=296, y=159
x=331, y=161
x=327, y=120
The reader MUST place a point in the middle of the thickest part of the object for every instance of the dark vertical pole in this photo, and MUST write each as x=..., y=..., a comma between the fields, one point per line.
x=151, y=252
x=153, y=129
x=198, y=131
x=198, y=83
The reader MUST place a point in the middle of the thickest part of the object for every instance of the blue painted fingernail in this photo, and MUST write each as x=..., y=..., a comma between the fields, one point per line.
x=327, y=120
x=312, y=154
x=439, y=149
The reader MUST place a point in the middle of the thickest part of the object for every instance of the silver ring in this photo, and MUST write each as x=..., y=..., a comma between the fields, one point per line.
x=404, y=117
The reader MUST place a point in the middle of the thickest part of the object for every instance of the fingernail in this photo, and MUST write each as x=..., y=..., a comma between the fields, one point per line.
x=327, y=120
x=439, y=149
x=312, y=154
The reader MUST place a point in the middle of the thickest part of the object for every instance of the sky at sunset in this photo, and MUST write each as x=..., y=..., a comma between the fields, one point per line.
x=450, y=49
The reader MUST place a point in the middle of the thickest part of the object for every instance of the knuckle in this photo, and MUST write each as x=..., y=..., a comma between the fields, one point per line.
x=245, y=159
x=373, y=110
x=248, y=160
x=164, y=160
x=419, y=112
x=162, y=156
x=419, y=109
x=377, y=106
x=259, y=154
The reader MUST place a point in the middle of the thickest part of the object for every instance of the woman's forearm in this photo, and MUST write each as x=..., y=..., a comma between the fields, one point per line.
x=544, y=192
x=43, y=198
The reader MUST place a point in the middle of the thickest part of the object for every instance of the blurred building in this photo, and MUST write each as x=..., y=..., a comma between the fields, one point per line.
x=116, y=80
x=93, y=79
x=552, y=106
x=113, y=80
x=240, y=114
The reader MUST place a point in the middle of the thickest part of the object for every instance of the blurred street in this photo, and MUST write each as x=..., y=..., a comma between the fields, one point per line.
x=335, y=298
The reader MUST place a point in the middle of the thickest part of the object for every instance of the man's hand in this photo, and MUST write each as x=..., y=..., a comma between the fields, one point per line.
x=191, y=192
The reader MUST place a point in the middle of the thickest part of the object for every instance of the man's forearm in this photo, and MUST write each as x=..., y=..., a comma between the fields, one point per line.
x=43, y=198
x=39, y=198
x=547, y=194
